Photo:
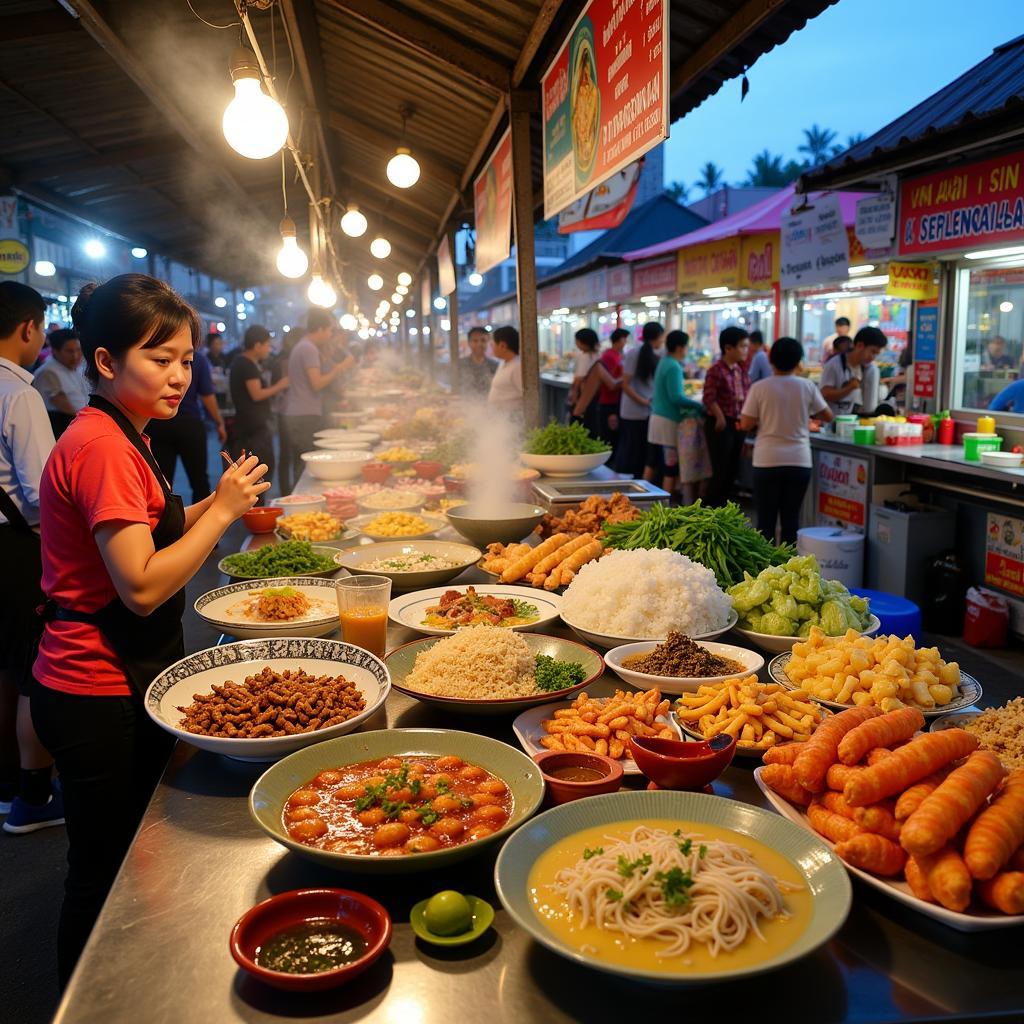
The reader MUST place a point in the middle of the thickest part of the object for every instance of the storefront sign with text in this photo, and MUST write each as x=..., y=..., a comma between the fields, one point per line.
x=1004, y=553
x=842, y=488
x=492, y=203
x=912, y=281
x=815, y=247
x=709, y=265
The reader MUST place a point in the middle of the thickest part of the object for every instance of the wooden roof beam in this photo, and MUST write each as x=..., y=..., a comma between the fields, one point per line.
x=102, y=159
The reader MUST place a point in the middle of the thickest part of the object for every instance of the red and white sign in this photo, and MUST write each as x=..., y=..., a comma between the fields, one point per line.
x=604, y=97
x=655, y=278
x=492, y=203
x=1004, y=553
x=973, y=206
x=842, y=487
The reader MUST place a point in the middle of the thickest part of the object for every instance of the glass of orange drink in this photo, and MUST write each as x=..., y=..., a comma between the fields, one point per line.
x=363, y=608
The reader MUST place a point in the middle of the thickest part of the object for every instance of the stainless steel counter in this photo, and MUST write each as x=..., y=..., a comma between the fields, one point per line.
x=159, y=953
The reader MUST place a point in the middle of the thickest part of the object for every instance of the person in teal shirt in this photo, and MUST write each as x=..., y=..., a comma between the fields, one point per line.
x=676, y=423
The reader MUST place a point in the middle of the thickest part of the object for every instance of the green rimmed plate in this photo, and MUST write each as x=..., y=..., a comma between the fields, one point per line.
x=483, y=918
x=821, y=870
x=273, y=788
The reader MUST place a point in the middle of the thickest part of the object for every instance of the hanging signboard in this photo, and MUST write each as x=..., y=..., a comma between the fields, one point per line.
x=445, y=268
x=1004, y=553
x=604, y=97
x=425, y=296
x=842, y=490
x=968, y=207
x=492, y=203
x=655, y=278
x=759, y=260
x=605, y=206
x=14, y=256
x=912, y=281
x=815, y=247
x=926, y=350
x=876, y=221
x=9, y=215
x=709, y=265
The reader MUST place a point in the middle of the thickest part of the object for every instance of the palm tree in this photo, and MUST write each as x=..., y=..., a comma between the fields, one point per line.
x=768, y=171
x=711, y=177
x=817, y=144
x=678, y=191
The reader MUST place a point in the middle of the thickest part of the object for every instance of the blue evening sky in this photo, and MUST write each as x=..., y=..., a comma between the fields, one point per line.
x=854, y=68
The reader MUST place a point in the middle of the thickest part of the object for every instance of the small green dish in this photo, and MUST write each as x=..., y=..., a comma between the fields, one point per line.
x=483, y=918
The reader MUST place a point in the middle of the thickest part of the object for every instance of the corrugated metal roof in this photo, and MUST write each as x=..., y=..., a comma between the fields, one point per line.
x=976, y=104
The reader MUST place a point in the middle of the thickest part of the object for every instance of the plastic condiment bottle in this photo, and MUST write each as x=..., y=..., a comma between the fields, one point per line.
x=947, y=430
x=986, y=425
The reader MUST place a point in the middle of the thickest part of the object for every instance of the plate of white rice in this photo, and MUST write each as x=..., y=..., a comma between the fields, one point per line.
x=643, y=594
x=485, y=669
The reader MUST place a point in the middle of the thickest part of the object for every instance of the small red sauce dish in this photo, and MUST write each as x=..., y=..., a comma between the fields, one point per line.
x=344, y=907
x=678, y=764
x=376, y=472
x=428, y=469
x=454, y=484
x=260, y=519
x=569, y=775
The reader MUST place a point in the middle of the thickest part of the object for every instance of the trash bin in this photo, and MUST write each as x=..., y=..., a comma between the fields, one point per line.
x=840, y=553
x=903, y=538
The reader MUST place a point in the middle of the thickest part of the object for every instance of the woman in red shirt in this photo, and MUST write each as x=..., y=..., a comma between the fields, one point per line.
x=118, y=548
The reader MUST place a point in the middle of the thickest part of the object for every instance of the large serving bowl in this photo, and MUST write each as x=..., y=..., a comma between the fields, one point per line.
x=504, y=524
x=344, y=465
x=294, y=504
x=341, y=445
x=401, y=660
x=213, y=607
x=606, y=641
x=363, y=438
x=783, y=644
x=323, y=551
x=198, y=673
x=751, y=661
x=277, y=783
x=821, y=871
x=411, y=609
x=565, y=465
x=353, y=559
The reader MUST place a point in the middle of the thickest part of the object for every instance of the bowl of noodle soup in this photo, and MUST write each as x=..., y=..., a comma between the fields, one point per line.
x=672, y=887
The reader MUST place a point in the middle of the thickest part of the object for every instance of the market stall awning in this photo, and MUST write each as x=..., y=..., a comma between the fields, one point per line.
x=763, y=216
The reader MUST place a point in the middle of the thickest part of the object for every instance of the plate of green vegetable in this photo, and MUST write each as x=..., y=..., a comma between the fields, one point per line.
x=563, y=667
x=290, y=558
x=564, y=450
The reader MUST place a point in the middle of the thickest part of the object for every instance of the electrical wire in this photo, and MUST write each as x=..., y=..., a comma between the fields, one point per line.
x=209, y=24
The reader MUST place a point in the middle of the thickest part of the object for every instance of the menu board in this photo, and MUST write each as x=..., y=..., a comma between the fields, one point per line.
x=815, y=244
x=926, y=345
x=1004, y=553
x=842, y=491
x=492, y=204
x=604, y=97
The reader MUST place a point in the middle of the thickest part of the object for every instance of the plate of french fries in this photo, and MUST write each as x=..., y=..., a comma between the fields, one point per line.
x=550, y=565
x=887, y=672
x=759, y=715
x=597, y=725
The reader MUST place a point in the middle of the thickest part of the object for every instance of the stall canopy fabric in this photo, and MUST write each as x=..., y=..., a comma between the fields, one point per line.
x=763, y=216
x=982, y=108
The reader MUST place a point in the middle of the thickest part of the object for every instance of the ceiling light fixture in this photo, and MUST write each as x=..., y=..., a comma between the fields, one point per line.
x=44, y=268
x=375, y=282
x=405, y=279
x=139, y=252
x=403, y=171
x=380, y=247
x=353, y=222
x=291, y=260
x=254, y=125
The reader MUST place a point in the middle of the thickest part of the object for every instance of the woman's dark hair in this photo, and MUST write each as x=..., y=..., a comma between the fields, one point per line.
x=676, y=340
x=254, y=336
x=647, y=359
x=786, y=354
x=19, y=303
x=619, y=332
x=731, y=337
x=58, y=339
x=588, y=338
x=509, y=335
x=129, y=310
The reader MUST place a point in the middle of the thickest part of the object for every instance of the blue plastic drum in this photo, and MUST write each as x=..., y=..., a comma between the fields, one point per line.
x=897, y=614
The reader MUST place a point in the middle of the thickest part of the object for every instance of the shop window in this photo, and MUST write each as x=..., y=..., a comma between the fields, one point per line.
x=991, y=338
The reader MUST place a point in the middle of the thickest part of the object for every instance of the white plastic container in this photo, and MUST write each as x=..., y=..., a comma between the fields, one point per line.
x=840, y=553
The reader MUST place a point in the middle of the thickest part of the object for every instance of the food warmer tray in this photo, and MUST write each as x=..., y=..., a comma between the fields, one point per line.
x=560, y=495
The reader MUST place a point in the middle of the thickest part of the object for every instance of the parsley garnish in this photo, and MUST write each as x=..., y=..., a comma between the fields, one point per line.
x=626, y=867
x=703, y=851
x=427, y=814
x=613, y=894
x=685, y=846
x=675, y=887
x=596, y=852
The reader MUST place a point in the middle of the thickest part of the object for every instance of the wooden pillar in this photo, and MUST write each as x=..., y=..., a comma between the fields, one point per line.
x=453, y=321
x=422, y=321
x=432, y=321
x=521, y=104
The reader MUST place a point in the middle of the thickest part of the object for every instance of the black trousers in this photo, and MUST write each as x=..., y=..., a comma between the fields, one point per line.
x=299, y=431
x=183, y=437
x=725, y=448
x=109, y=754
x=778, y=494
x=256, y=442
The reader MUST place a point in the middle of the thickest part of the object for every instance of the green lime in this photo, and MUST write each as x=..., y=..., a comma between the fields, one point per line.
x=448, y=913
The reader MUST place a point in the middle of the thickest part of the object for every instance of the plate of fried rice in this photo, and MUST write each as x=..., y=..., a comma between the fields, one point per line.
x=283, y=606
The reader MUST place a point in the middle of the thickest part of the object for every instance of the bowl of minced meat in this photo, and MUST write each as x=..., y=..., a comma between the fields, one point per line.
x=681, y=665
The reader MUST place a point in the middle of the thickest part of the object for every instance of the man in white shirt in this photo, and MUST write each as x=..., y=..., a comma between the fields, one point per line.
x=60, y=380
x=26, y=440
x=849, y=381
x=507, y=386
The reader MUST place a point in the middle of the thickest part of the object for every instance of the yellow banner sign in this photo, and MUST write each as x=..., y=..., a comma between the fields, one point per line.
x=912, y=281
x=14, y=256
x=709, y=265
x=759, y=260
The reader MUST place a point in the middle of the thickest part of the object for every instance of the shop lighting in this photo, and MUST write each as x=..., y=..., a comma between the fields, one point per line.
x=353, y=221
x=655, y=304
x=384, y=306
x=603, y=305
x=405, y=279
x=426, y=330
x=240, y=307
x=320, y=292
x=563, y=311
x=413, y=331
x=446, y=325
x=375, y=282
x=291, y=260
x=648, y=298
x=241, y=316
x=772, y=309
x=397, y=298
x=717, y=291
x=139, y=252
x=864, y=268
x=991, y=254
x=401, y=289
x=1004, y=307
x=44, y=268
x=248, y=295
x=363, y=333
x=475, y=279
x=220, y=302
x=254, y=124
x=868, y=282
x=95, y=249
x=347, y=322
x=62, y=298
x=410, y=312
x=403, y=170
x=221, y=326
x=807, y=307
x=440, y=302
x=380, y=247
x=602, y=319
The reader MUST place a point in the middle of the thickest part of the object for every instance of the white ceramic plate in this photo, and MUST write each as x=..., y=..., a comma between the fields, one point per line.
x=565, y=465
x=342, y=540
x=970, y=690
x=607, y=642
x=751, y=661
x=979, y=920
x=529, y=732
x=353, y=559
x=213, y=608
x=782, y=644
x=361, y=522
x=955, y=721
x=411, y=609
x=198, y=673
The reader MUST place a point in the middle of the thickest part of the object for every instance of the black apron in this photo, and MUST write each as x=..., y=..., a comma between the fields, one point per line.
x=145, y=645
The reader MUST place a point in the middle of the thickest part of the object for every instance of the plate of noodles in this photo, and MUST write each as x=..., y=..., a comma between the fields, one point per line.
x=672, y=887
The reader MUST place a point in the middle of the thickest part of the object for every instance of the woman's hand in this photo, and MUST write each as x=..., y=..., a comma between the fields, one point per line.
x=239, y=488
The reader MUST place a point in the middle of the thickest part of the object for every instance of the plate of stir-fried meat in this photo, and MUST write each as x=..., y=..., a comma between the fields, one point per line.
x=445, y=610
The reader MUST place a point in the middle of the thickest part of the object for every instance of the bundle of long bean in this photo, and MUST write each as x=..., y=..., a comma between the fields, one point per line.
x=720, y=538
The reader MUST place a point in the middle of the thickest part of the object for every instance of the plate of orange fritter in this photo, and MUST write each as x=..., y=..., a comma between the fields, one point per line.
x=279, y=607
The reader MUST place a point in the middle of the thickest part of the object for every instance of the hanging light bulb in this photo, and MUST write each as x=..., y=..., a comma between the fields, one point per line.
x=353, y=223
x=347, y=322
x=254, y=124
x=384, y=307
x=405, y=279
x=380, y=247
x=320, y=292
x=375, y=282
x=475, y=279
x=397, y=299
x=403, y=170
x=291, y=260
x=401, y=289
x=440, y=302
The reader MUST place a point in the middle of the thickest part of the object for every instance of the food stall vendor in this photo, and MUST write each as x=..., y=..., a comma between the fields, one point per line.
x=118, y=548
